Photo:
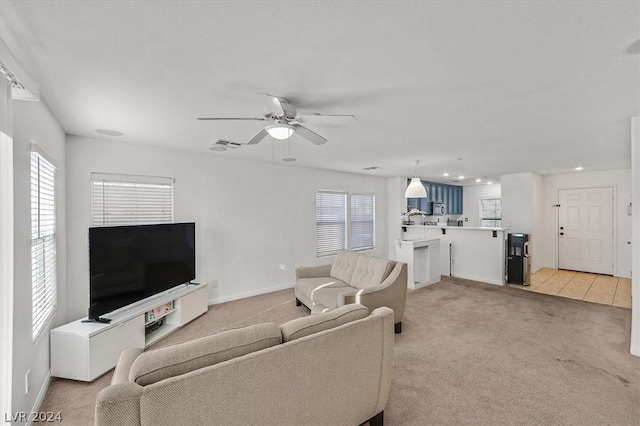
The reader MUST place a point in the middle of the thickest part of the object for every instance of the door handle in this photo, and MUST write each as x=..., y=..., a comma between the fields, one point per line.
x=562, y=227
x=562, y=233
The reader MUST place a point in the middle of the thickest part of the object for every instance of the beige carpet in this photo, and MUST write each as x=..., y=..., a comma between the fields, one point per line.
x=469, y=354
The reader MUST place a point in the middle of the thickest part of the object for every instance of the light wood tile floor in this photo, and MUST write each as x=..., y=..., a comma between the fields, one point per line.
x=582, y=286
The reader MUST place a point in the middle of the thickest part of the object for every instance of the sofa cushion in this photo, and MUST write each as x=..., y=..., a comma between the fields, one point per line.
x=328, y=296
x=344, y=265
x=160, y=364
x=370, y=271
x=306, y=326
x=307, y=285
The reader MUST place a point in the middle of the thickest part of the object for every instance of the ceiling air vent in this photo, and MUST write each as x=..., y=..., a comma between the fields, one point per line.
x=372, y=168
x=223, y=145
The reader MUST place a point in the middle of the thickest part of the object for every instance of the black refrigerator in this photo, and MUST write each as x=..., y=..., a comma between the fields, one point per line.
x=518, y=259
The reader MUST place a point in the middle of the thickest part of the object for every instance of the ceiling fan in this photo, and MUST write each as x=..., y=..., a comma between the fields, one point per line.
x=286, y=122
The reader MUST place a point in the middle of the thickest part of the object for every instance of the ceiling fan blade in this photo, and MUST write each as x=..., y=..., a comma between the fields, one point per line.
x=258, y=137
x=326, y=119
x=230, y=118
x=275, y=103
x=309, y=135
x=281, y=106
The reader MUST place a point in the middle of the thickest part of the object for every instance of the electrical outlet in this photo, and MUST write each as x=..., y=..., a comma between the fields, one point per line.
x=27, y=381
x=214, y=283
x=283, y=267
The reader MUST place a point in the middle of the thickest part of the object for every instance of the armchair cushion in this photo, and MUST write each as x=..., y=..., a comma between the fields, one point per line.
x=154, y=366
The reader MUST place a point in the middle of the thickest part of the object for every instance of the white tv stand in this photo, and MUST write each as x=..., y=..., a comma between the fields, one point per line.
x=86, y=350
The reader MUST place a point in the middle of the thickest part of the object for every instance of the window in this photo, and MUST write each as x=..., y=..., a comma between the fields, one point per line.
x=332, y=226
x=43, y=242
x=130, y=200
x=491, y=212
x=331, y=222
x=363, y=211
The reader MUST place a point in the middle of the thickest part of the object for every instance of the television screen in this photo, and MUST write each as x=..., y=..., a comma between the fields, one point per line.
x=131, y=263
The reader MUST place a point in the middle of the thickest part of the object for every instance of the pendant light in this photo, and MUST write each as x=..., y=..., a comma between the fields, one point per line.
x=415, y=189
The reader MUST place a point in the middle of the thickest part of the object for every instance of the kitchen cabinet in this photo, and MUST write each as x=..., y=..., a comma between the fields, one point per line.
x=450, y=195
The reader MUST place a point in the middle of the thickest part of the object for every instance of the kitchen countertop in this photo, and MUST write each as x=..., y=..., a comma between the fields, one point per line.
x=474, y=228
x=418, y=242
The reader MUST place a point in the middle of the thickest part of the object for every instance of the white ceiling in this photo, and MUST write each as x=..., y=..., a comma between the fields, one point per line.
x=474, y=88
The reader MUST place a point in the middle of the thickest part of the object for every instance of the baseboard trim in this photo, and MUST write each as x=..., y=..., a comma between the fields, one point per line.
x=215, y=301
x=40, y=399
x=479, y=279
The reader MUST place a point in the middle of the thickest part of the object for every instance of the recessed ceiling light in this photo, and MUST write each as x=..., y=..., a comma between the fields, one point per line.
x=108, y=132
x=461, y=177
x=578, y=168
x=632, y=48
x=489, y=183
x=478, y=180
x=445, y=174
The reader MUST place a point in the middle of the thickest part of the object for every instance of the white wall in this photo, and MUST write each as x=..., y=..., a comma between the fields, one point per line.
x=620, y=180
x=32, y=122
x=471, y=196
x=517, y=202
x=251, y=217
x=6, y=246
x=396, y=206
x=537, y=222
x=523, y=198
x=635, y=284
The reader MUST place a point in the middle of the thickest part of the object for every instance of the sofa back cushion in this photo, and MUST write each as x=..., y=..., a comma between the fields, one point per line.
x=305, y=326
x=370, y=271
x=160, y=364
x=344, y=265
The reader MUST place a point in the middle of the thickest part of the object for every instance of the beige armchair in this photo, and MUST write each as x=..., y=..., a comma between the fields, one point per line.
x=354, y=278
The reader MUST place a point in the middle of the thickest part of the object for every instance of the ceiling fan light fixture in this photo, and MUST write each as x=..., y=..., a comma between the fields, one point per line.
x=280, y=131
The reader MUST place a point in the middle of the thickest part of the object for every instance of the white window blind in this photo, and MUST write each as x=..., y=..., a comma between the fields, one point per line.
x=363, y=210
x=43, y=242
x=331, y=222
x=130, y=200
x=491, y=212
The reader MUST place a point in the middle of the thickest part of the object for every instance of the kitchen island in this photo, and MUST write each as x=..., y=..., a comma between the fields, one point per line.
x=466, y=252
x=423, y=261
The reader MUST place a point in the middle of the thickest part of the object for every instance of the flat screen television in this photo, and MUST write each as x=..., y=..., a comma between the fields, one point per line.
x=131, y=263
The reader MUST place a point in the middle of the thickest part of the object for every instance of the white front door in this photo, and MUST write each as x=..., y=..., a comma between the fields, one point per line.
x=585, y=230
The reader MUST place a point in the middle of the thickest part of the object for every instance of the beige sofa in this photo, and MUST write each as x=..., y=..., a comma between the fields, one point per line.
x=354, y=278
x=328, y=369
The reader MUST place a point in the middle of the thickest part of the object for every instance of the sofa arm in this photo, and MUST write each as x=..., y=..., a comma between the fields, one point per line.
x=313, y=271
x=119, y=405
x=127, y=357
x=392, y=292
